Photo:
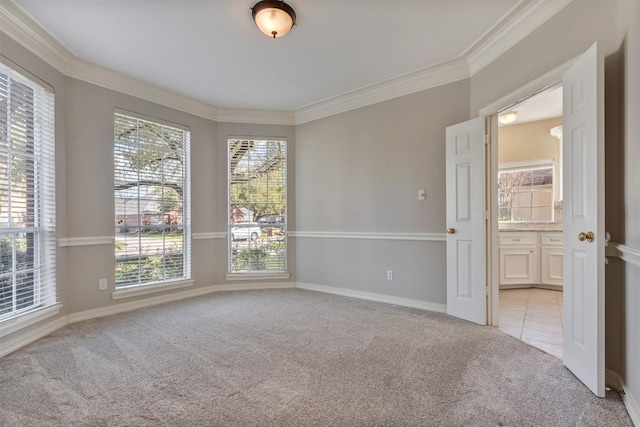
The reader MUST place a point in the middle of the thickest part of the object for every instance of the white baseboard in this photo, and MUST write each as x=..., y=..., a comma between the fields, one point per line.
x=176, y=296
x=13, y=344
x=255, y=286
x=614, y=380
x=22, y=339
x=632, y=407
x=134, y=305
x=370, y=296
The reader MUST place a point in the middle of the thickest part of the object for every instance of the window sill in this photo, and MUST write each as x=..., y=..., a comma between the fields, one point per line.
x=22, y=321
x=137, y=290
x=257, y=276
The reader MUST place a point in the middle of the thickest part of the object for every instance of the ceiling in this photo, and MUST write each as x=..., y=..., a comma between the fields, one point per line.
x=211, y=51
x=544, y=105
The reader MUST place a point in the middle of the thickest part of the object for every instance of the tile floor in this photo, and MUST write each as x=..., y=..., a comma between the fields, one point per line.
x=534, y=316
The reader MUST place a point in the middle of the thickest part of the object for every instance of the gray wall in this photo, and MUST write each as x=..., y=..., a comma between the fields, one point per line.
x=90, y=203
x=360, y=172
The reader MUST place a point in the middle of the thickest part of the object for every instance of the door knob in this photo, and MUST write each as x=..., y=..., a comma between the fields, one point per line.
x=451, y=230
x=588, y=236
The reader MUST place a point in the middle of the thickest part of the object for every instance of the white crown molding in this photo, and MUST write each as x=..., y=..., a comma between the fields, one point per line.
x=22, y=28
x=438, y=75
x=26, y=31
x=209, y=235
x=91, y=73
x=519, y=23
x=370, y=296
x=269, y=117
x=522, y=20
x=430, y=237
x=64, y=242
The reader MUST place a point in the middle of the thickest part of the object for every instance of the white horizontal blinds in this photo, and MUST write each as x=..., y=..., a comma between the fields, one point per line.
x=151, y=164
x=27, y=195
x=526, y=194
x=257, y=205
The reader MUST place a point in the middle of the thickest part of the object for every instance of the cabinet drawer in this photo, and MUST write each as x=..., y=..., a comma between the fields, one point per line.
x=509, y=239
x=551, y=239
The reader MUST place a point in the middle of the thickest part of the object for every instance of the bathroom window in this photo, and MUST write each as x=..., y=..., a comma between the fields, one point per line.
x=525, y=193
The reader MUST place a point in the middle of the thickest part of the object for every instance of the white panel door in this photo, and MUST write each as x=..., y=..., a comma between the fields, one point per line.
x=584, y=236
x=466, y=279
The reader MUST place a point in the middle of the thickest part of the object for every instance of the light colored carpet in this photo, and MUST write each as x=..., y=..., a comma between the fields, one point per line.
x=291, y=358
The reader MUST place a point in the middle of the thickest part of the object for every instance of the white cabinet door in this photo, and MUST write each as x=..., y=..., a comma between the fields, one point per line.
x=551, y=258
x=518, y=258
x=517, y=266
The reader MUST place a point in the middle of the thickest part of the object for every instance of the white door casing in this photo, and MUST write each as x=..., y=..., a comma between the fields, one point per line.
x=584, y=260
x=465, y=178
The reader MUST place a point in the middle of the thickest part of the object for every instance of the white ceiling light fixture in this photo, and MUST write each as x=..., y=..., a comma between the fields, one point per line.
x=274, y=18
x=508, y=118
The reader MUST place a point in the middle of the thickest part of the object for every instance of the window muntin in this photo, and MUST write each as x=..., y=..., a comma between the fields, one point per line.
x=257, y=205
x=27, y=195
x=525, y=194
x=151, y=177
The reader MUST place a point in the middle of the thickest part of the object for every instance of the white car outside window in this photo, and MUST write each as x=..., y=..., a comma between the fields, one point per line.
x=244, y=231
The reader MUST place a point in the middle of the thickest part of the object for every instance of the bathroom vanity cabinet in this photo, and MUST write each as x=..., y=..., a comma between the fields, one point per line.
x=532, y=258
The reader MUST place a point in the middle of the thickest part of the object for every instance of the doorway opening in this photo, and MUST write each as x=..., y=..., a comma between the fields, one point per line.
x=529, y=220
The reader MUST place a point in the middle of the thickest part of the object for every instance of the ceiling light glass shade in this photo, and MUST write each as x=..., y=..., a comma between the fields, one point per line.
x=508, y=118
x=274, y=18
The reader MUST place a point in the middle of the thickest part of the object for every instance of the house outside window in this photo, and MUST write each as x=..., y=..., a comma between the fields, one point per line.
x=27, y=194
x=151, y=171
x=525, y=193
x=257, y=205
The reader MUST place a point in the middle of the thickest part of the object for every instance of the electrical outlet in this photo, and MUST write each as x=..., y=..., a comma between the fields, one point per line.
x=102, y=284
x=422, y=195
x=389, y=274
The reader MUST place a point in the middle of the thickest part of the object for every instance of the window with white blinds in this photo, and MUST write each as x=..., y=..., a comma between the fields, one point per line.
x=151, y=165
x=27, y=195
x=257, y=205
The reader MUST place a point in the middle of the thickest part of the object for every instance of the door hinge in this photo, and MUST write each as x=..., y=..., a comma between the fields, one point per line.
x=486, y=139
x=486, y=290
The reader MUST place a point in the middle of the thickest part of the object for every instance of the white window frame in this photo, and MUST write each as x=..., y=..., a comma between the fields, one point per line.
x=533, y=164
x=40, y=190
x=140, y=286
x=257, y=274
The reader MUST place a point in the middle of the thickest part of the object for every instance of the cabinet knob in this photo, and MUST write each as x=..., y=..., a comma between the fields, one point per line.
x=451, y=230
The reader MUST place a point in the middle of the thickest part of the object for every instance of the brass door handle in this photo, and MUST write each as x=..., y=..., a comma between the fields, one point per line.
x=451, y=230
x=588, y=236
